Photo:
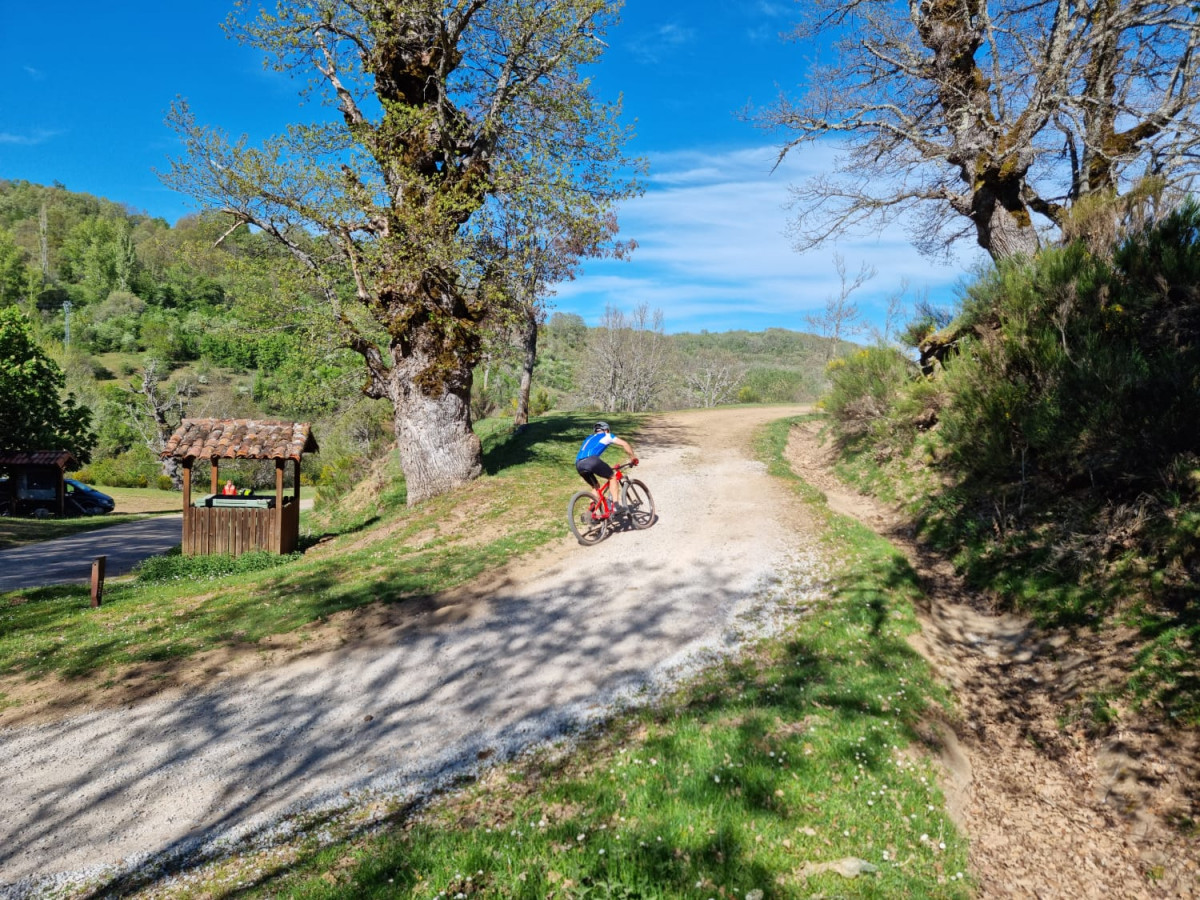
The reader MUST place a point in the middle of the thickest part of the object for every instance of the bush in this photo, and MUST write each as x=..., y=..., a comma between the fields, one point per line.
x=865, y=388
x=1082, y=370
x=768, y=385
x=134, y=468
x=166, y=483
x=176, y=567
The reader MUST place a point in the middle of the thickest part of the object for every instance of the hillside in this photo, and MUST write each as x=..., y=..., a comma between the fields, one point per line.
x=151, y=322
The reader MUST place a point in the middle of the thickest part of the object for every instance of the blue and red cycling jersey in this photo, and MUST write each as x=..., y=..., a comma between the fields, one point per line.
x=595, y=445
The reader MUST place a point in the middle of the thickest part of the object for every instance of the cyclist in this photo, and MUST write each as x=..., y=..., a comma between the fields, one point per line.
x=592, y=468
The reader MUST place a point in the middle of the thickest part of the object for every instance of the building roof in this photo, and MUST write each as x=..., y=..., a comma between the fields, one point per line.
x=60, y=458
x=240, y=439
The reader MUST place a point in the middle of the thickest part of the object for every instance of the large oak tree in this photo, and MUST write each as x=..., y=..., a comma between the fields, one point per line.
x=991, y=117
x=446, y=113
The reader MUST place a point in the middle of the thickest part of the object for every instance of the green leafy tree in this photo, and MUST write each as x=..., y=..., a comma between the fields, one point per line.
x=34, y=415
x=447, y=112
x=12, y=270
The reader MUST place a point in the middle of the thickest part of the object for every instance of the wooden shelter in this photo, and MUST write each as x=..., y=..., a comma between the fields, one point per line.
x=213, y=523
x=36, y=480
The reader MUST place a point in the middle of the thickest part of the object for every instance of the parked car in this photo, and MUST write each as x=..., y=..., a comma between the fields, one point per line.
x=83, y=500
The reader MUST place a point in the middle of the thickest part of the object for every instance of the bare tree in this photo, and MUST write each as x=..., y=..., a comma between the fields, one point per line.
x=711, y=377
x=982, y=115
x=156, y=408
x=840, y=318
x=626, y=366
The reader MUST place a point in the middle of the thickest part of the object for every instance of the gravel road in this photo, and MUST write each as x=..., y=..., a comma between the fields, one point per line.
x=175, y=776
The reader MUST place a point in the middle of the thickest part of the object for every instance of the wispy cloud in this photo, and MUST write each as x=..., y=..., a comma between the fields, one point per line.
x=35, y=74
x=29, y=139
x=776, y=10
x=713, y=252
x=652, y=46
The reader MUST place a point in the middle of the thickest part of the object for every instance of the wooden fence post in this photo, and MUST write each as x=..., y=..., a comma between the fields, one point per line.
x=98, y=579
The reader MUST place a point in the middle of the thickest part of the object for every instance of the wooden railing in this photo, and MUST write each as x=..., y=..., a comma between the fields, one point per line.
x=208, y=530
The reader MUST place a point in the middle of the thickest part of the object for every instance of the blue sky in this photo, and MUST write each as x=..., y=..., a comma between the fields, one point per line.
x=84, y=92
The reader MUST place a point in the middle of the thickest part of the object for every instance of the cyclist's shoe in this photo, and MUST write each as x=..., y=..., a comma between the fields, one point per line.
x=620, y=508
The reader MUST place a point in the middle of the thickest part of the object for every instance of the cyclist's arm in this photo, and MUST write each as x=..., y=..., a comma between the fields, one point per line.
x=624, y=445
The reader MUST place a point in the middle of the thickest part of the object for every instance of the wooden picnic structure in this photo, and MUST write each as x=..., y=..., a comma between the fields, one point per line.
x=36, y=480
x=213, y=523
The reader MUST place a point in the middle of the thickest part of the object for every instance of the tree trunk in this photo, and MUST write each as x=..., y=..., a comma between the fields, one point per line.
x=429, y=385
x=1002, y=222
x=529, y=338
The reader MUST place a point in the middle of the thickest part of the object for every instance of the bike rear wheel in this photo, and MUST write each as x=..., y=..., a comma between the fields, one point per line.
x=579, y=516
x=639, y=505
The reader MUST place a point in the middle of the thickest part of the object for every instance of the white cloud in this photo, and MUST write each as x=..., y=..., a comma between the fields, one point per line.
x=649, y=46
x=713, y=253
x=29, y=139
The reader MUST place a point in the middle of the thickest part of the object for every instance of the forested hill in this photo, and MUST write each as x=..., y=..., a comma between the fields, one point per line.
x=152, y=321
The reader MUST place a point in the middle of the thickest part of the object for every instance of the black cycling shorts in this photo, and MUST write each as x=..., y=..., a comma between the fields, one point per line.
x=594, y=470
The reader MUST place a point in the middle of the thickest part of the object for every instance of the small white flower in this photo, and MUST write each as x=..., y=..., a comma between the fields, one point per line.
x=924, y=838
x=601, y=851
x=581, y=837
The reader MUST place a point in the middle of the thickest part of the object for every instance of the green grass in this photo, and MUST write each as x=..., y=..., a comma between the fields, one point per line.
x=384, y=553
x=754, y=777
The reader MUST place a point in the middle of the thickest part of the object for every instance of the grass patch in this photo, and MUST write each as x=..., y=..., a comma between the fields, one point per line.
x=755, y=779
x=381, y=552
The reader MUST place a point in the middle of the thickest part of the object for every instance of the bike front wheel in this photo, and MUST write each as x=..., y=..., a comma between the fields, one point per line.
x=586, y=529
x=638, y=503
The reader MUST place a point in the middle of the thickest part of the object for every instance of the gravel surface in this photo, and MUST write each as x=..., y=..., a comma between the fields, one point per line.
x=110, y=790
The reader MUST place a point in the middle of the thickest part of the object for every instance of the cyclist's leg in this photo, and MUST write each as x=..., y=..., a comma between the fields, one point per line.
x=594, y=471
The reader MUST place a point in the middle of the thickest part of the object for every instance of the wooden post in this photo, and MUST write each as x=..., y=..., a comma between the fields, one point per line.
x=277, y=538
x=188, y=513
x=296, y=482
x=215, y=477
x=98, y=579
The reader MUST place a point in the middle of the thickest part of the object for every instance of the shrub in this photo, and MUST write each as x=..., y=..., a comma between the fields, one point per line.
x=165, y=483
x=1082, y=369
x=175, y=567
x=865, y=387
x=134, y=468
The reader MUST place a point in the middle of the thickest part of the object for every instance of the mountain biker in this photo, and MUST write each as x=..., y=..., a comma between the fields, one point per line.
x=592, y=468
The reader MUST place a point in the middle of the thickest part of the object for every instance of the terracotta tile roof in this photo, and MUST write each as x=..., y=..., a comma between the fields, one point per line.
x=60, y=458
x=240, y=439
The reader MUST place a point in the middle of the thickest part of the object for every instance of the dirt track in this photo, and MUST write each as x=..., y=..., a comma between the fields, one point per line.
x=478, y=674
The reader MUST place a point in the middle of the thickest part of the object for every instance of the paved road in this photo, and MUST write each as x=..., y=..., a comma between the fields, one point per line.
x=70, y=558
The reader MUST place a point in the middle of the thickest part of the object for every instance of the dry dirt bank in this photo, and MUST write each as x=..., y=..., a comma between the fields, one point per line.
x=1050, y=810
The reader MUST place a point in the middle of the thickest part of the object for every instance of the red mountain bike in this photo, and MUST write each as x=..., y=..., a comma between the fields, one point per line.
x=590, y=521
